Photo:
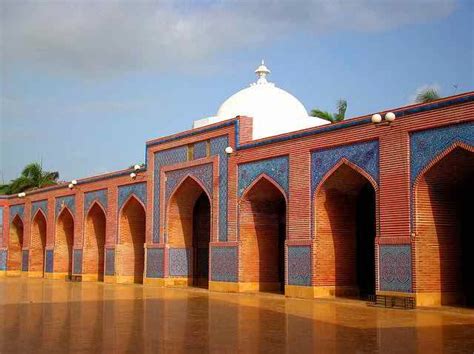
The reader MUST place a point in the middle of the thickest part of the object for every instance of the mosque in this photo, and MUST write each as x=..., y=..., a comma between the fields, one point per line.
x=262, y=197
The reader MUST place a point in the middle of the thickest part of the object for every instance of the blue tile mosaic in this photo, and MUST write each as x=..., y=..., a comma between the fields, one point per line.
x=200, y=150
x=49, y=261
x=25, y=260
x=35, y=206
x=1, y=225
x=3, y=259
x=224, y=264
x=179, y=262
x=395, y=268
x=68, y=201
x=218, y=146
x=364, y=155
x=163, y=158
x=299, y=265
x=15, y=210
x=99, y=196
x=275, y=168
x=110, y=261
x=155, y=263
x=77, y=262
x=425, y=145
x=137, y=189
x=203, y=173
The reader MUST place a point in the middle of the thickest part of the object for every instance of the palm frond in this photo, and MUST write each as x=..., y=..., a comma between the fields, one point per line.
x=322, y=114
x=428, y=95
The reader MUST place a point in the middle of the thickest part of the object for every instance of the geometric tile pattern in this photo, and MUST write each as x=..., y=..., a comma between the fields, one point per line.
x=77, y=262
x=425, y=145
x=179, y=262
x=15, y=210
x=299, y=265
x=275, y=168
x=100, y=196
x=395, y=268
x=364, y=155
x=224, y=264
x=3, y=259
x=109, y=261
x=155, y=263
x=217, y=147
x=137, y=189
x=66, y=201
x=35, y=206
x=49, y=261
x=24, y=260
x=163, y=158
x=203, y=173
x=200, y=150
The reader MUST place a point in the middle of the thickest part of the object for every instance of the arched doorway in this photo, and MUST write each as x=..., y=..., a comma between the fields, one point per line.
x=94, y=242
x=38, y=244
x=262, y=232
x=444, y=231
x=15, y=245
x=189, y=229
x=345, y=214
x=130, y=250
x=63, y=243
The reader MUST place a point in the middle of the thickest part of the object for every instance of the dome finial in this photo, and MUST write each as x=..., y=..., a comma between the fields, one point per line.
x=262, y=71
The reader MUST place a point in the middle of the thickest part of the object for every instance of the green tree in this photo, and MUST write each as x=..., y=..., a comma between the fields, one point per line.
x=33, y=176
x=427, y=95
x=332, y=117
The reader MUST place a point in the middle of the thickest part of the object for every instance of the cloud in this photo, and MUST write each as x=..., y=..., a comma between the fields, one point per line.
x=101, y=38
x=423, y=88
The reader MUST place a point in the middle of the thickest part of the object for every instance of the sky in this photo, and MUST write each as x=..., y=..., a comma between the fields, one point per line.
x=84, y=84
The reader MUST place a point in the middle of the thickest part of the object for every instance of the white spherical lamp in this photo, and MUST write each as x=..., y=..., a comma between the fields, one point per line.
x=229, y=150
x=133, y=175
x=71, y=186
x=136, y=167
x=376, y=118
x=390, y=117
x=74, y=182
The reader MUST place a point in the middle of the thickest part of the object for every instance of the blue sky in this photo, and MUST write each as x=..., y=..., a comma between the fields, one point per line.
x=85, y=84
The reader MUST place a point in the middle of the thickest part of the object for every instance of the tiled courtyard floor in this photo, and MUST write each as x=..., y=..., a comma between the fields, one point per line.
x=41, y=316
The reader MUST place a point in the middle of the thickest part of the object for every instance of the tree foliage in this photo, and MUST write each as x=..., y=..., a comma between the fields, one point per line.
x=332, y=117
x=33, y=176
x=427, y=95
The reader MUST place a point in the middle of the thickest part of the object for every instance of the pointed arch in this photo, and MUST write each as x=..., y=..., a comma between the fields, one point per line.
x=15, y=244
x=94, y=242
x=270, y=180
x=183, y=180
x=63, y=242
x=345, y=205
x=38, y=243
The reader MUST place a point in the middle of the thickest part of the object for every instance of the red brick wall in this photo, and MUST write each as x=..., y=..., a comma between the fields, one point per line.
x=261, y=212
x=94, y=241
x=15, y=244
x=38, y=243
x=63, y=242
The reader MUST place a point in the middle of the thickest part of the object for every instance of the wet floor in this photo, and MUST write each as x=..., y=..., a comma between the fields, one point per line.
x=47, y=316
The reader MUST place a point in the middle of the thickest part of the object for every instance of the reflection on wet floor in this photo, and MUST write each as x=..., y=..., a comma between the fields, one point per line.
x=47, y=316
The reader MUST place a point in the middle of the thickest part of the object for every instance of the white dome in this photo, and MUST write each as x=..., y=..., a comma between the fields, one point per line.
x=274, y=111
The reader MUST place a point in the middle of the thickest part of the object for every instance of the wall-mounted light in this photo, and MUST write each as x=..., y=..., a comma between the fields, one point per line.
x=74, y=182
x=229, y=150
x=22, y=195
x=133, y=175
x=137, y=167
x=377, y=119
x=70, y=185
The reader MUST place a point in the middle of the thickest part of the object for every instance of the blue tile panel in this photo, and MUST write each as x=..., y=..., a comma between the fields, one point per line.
x=224, y=264
x=77, y=262
x=299, y=265
x=163, y=158
x=3, y=259
x=200, y=150
x=25, y=260
x=100, y=196
x=49, y=261
x=42, y=204
x=179, y=262
x=15, y=210
x=155, y=263
x=66, y=201
x=275, y=168
x=110, y=261
x=425, y=145
x=1, y=225
x=364, y=155
x=203, y=173
x=395, y=268
x=218, y=146
x=137, y=189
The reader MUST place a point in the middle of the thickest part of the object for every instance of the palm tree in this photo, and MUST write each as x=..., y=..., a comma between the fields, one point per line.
x=427, y=95
x=332, y=117
x=33, y=176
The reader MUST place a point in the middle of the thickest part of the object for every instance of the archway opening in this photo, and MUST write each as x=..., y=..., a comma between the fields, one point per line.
x=345, y=234
x=262, y=224
x=63, y=243
x=15, y=244
x=131, y=252
x=445, y=229
x=189, y=230
x=94, y=243
x=38, y=243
